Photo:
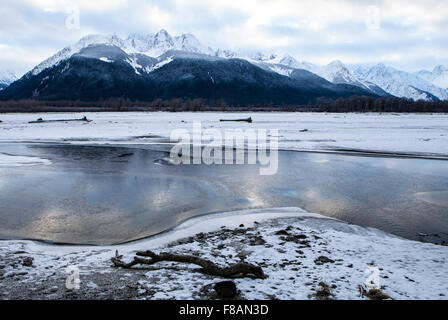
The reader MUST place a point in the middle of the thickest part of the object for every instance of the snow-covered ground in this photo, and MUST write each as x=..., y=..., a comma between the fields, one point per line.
x=398, y=133
x=407, y=269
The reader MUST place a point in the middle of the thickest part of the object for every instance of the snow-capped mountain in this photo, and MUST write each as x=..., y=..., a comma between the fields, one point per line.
x=6, y=78
x=378, y=79
x=152, y=45
x=109, y=67
x=337, y=72
x=155, y=45
x=400, y=83
x=438, y=77
x=145, y=54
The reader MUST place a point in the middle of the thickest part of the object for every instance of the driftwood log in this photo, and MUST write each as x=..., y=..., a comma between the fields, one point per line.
x=40, y=120
x=238, y=270
x=238, y=120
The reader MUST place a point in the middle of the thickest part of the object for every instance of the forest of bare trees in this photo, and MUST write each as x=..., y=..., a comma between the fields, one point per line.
x=352, y=104
x=368, y=104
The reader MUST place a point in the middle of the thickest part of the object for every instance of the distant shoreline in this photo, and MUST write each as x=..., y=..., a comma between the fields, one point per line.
x=359, y=104
x=211, y=110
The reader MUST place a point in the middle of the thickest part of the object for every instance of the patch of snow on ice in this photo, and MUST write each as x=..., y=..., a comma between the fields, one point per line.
x=7, y=160
x=395, y=133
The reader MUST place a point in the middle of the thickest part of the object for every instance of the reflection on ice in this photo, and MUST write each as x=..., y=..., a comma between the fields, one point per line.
x=92, y=194
x=439, y=198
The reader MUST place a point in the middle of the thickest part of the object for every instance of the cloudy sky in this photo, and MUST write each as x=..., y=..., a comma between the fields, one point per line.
x=407, y=34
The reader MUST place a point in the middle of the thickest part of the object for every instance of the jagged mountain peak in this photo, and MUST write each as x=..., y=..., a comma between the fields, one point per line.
x=401, y=83
x=152, y=45
x=226, y=54
x=157, y=44
x=163, y=37
x=259, y=56
x=92, y=39
x=438, y=76
x=163, y=34
x=337, y=63
x=7, y=76
x=381, y=67
x=337, y=72
x=440, y=69
x=337, y=66
x=289, y=61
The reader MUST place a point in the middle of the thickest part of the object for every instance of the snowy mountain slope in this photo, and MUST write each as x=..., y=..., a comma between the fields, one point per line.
x=379, y=79
x=418, y=94
x=335, y=72
x=69, y=51
x=6, y=78
x=226, y=54
x=110, y=54
x=438, y=77
x=152, y=45
x=161, y=42
x=400, y=83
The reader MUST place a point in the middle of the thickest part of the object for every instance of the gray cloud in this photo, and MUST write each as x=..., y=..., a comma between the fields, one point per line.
x=411, y=34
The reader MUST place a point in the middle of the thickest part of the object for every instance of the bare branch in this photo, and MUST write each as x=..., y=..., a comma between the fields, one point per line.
x=238, y=270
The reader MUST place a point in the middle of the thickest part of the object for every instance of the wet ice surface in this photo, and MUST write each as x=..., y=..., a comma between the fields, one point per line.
x=407, y=269
x=395, y=133
x=111, y=194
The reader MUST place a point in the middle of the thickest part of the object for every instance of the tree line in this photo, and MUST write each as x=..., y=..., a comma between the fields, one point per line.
x=351, y=104
x=386, y=104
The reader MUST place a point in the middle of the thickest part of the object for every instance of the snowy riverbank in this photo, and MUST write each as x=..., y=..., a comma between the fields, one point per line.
x=297, y=250
x=421, y=134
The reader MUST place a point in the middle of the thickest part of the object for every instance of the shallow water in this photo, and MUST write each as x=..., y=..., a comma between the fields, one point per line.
x=107, y=194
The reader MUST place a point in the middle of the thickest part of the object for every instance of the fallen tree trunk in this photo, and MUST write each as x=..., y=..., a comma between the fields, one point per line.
x=40, y=120
x=238, y=120
x=238, y=270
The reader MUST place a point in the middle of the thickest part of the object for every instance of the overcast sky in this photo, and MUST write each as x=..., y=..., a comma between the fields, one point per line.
x=407, y=34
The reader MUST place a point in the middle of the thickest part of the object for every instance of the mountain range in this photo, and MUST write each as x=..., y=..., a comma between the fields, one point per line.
x=152, y=66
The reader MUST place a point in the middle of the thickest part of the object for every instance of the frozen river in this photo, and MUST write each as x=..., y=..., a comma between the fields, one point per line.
x=109, y=194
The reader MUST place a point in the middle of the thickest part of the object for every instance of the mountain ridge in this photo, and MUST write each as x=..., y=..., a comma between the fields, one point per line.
x=148, y=52
x=107, y=71
x=400, y=83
